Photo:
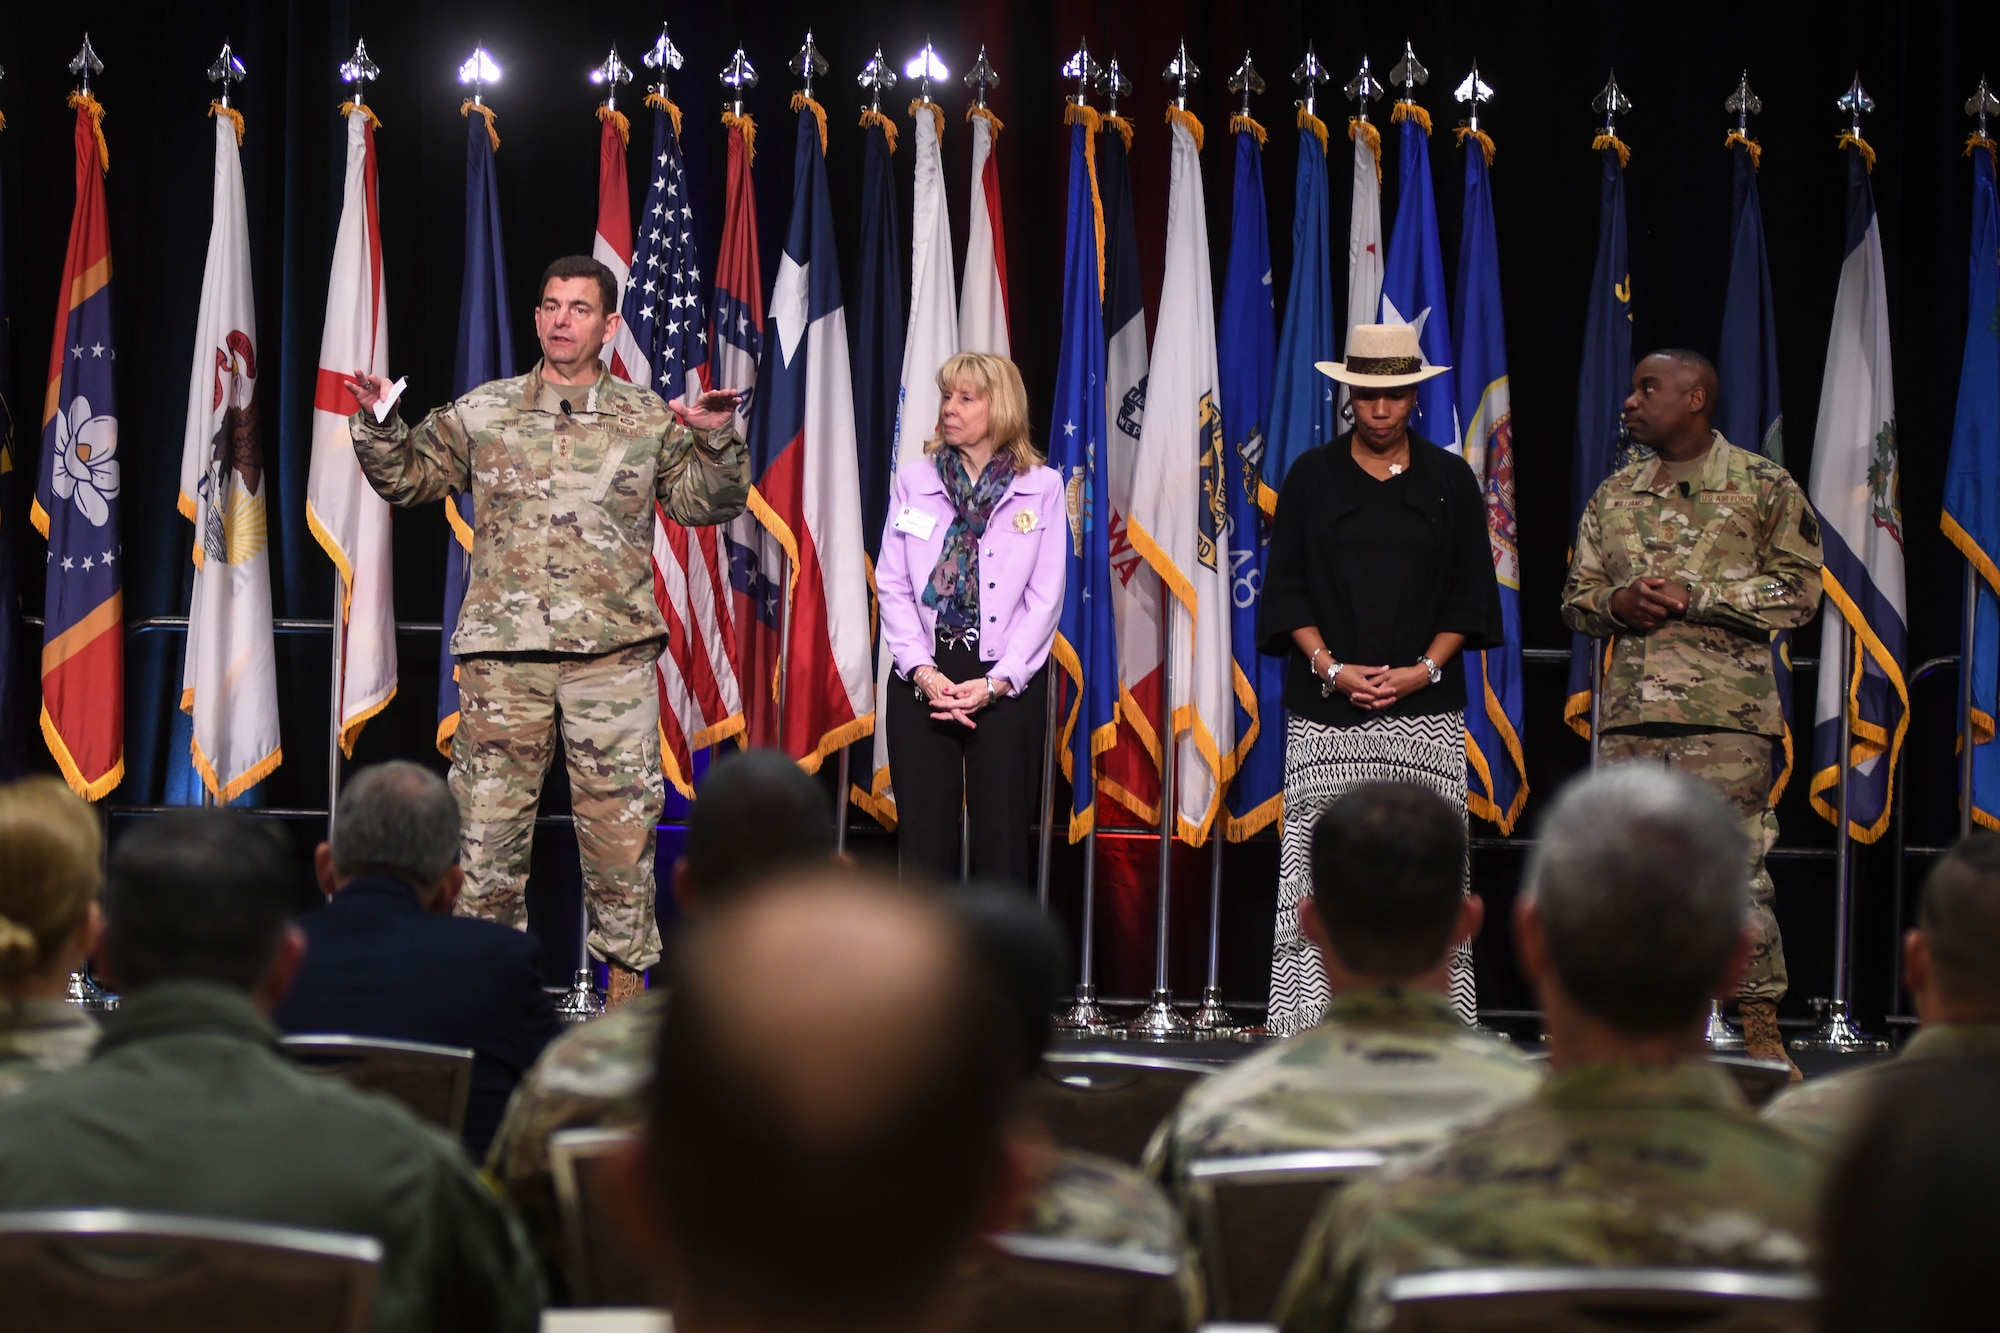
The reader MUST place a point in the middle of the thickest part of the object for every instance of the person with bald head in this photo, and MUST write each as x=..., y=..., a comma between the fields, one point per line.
x=828, y=1133
x=1689, y=558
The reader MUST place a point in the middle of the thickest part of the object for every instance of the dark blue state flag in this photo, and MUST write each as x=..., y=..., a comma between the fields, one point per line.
x=1747, y=365
x=1413, y=281
x=485, y=353
x=877, y=329
x=1304, y=414
x=1244, y=357
x=1601, y=388
x=13, y=738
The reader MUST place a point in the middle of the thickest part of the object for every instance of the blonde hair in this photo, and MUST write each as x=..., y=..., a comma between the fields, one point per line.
x=998, y=381
x=51, y=871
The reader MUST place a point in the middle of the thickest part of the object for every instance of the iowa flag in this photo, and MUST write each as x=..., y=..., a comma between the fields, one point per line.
x=343, y=511
x=230, y=680
x=802, y=459
x=76, y=498
x=1855, y=477
x=1180, y=516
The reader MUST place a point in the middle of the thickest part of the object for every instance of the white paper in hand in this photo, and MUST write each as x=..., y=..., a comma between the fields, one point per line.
x=387, y=402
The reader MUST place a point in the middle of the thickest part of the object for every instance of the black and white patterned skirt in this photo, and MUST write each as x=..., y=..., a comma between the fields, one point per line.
x=1321, y=764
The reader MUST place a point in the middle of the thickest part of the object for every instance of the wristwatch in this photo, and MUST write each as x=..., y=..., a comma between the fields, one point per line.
x=1432, y=669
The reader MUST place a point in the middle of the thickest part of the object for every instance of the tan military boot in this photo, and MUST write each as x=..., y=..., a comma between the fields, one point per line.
x=625, y=984
x=1761, y=1040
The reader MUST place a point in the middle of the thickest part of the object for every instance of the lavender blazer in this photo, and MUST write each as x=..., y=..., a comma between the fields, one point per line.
x=1021, y=571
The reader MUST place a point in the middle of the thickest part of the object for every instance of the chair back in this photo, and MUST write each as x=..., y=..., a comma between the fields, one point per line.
x=1249, y=1214
x=1054, y=1286
x=432, y=1081
x=1758, y=1080
x=1109, y=1102
x=598, y=1263
x=111, y=1269
x=1603, y=1300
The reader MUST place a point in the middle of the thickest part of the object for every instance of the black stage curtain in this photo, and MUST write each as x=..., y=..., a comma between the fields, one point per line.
x=1546, y=61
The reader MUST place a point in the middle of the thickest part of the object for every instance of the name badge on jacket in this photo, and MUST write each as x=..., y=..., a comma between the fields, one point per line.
x=915, y=522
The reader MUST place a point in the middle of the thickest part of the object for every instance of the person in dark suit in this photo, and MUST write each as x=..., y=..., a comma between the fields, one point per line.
x=386, y=957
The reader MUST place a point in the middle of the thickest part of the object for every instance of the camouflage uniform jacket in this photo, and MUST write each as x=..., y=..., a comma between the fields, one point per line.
x=1746, y=544
x=1607, y=1165
x=562, y=503
x=1093, y=1200
x=1821, y=1110
x=1392, y=1071
x=592, y=1076
x=39, y=1038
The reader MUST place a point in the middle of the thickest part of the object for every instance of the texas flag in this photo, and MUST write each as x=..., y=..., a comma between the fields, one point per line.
x=803, y=460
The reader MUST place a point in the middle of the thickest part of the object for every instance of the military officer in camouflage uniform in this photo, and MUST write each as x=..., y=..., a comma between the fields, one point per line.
x=1391, y=1068
x=1688, y=559
x=565, y=466
x=1951, y=964
x=1637, y=1150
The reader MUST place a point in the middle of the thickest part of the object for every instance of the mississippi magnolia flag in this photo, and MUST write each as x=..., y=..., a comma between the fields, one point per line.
x=736, y=340
x=1086, y=645
x=1746, y=365
x=1601, y=389
x=1972, y=482
x=1854, y=490
x=1180, y=517
x=343, y=511
x=982, y=301
x=802, y=459
x=1129, y=772
x=1413, y=282
x=76, y=498
x=700, y=700
x=1364, y=235
x=485, y=353
x=1244, y=357
x=1497, y=773
x=1304, y=414
x=230, y=680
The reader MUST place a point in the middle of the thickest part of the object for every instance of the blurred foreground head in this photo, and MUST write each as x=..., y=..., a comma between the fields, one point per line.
x=840, y=1070
x=1910, y=1218
x=757, y=814
x=1952, y=958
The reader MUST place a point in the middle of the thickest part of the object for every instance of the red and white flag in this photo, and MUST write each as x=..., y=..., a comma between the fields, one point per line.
x=343, y=511
x=982, y=303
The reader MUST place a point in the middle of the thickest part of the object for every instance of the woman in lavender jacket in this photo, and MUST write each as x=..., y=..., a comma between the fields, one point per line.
x=970, y=581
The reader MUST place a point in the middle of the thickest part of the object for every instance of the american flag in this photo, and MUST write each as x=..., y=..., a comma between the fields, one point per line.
x=700, y=702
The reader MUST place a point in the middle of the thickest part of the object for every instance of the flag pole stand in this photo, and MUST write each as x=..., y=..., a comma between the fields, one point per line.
x=1836, y=1034
x=1046, y=841
x=84, y=993
x=1212, y=1020
x=582, y=1001
x=1159, y=1021
x=1084, y=1018
x=840, y=803
x=1596, y=698
x=1717, y=1035
x=333, y=706
x=1965, y=705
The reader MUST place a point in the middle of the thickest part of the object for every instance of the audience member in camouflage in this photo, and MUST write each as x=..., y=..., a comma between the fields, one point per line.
x=1086, y=1199
x=1636, y=1151
x=566, y=466
x=1951, y=965
x=38, y=1038
x=51, y=872
x=1689, y=558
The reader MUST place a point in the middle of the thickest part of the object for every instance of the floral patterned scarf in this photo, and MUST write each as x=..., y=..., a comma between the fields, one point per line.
x=954, y=586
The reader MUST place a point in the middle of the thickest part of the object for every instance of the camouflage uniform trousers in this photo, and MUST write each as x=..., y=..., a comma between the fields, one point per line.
x=1736, y=764
x=609, y=709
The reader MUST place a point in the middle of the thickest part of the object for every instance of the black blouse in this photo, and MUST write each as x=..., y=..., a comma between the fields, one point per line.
x=1381, y=567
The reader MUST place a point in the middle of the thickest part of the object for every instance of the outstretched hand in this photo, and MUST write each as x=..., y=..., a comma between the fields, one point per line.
x=711, y=410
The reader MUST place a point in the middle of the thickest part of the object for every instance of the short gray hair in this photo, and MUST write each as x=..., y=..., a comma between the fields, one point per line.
x=1641, y=876
x=397, y=816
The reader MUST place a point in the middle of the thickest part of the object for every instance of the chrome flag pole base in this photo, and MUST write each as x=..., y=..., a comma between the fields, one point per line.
x=1084, y=1018
x=582, y=1001
x=87, y=995
x=1212, y=1019
x=1159, y=1021
x=1719, y=1035
x=1837, y=1035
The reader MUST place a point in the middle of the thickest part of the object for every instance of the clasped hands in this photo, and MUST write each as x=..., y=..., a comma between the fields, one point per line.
x=954, y=701
x=1649, y=602
x=1375, y=688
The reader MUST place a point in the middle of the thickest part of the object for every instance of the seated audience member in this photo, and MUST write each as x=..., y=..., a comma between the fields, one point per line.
x=187, y=1106
x=1391, y=1068
x=757, y=814
x=1951, y=964
x=1071, y=1195
x=1910, y=1218
x=386, y=958
x=1637, y=1150
x=51, y=868
x=827, y=1135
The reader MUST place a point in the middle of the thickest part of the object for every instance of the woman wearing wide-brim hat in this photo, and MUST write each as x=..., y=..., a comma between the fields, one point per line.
x=1379, y=578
